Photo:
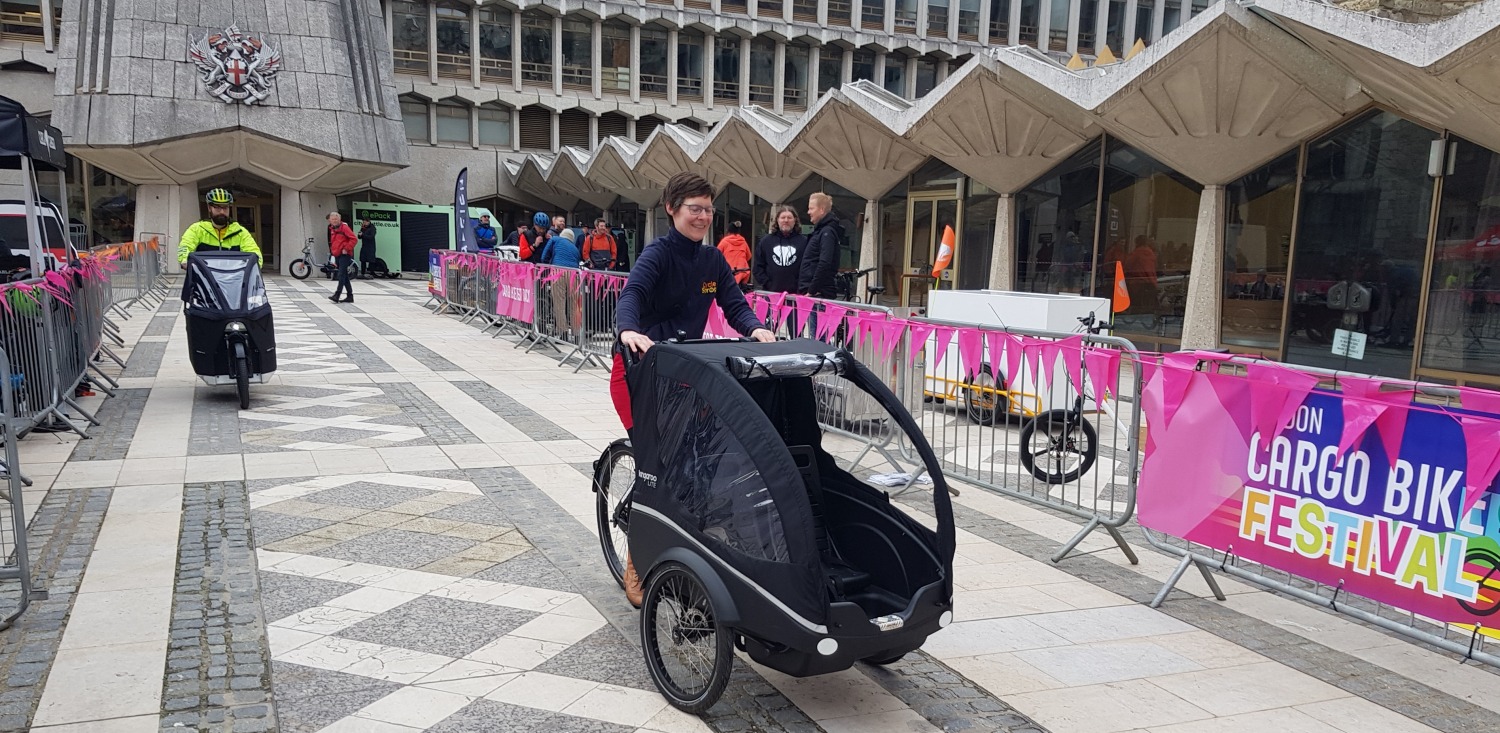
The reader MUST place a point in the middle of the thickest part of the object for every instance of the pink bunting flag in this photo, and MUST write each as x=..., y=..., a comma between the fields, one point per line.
x=1031, y=349
x=995, y=346
x=943, y=336
x=762, y=309
x=1480, y=400
x=1482, y=444
x=1071, y=353
x=1391, y=423
x=918, y=334
x=833, y=317
x=1176, y=377
x=970, y=350
x=1013, y=354
x=1359, y=415
x=1103, y=368
x=1272, y=409
x=778, y=304
x=804, y=308
x=892, y=331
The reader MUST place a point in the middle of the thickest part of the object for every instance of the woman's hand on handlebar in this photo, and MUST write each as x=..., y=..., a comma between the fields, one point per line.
x=763, y=335
x=635, y=342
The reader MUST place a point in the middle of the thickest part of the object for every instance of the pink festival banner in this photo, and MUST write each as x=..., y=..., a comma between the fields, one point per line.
x=1397, y=501
x=513, y=297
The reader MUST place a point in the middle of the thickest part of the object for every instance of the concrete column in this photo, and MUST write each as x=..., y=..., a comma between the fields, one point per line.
x=1128, y=30
x=1158, y=19
x=596, y=57
x=778, y=72
x=474, y=46
x=910, y=78
x=984, y=21
x=474, y=126
x=556, y=132
x=1003, y=251
x=1044, y=23
x=672, y=67
x=49, y=40
x=814, y=60
x=869, y=240
x=942, y=70
x=880, y=69
x=1014, y=25
x=165, y=210
x=953, y=20
x=630, y=127
x=710, y=49
x=650, y=233
x=890, y=16
x=846, y=69
x=515, y=51
x=635, y=63
x=823, y=14
x=1202, y=326
x=1074, y=12
x=922, y=18
x=786, y=11
x=515, y=129
x=390, y=26
x=593, y=132
x=1101, y=27
x=431, y=122
x=745, y=66
x=432, y=43
x=302, y=217
x=557, y=61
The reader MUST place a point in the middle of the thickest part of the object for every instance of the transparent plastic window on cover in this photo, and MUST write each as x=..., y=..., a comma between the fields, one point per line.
x=709, y=474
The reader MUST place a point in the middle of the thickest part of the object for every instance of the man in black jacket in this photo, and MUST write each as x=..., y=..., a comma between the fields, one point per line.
x=820, y=261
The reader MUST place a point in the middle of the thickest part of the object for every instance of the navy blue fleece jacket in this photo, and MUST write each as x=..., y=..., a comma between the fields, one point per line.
x=671, y=286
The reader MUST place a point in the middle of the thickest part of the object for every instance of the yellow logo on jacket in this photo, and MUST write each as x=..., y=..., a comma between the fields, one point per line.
x=710, y=287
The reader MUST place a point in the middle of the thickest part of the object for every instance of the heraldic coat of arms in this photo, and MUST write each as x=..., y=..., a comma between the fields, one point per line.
x=235, y=66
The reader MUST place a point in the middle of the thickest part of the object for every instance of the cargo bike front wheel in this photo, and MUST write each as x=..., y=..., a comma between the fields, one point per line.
x=688, y=652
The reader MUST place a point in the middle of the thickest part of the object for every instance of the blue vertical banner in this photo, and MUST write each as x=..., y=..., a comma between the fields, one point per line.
x=463, y=228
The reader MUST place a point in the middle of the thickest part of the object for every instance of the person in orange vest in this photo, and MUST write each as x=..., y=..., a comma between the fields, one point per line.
x=599, y=248
x=736, y=252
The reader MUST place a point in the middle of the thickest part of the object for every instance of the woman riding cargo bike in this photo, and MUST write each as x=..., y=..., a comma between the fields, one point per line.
x=745, y=530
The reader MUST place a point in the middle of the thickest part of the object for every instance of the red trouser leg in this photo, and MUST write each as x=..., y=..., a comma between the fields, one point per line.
x=619, y=393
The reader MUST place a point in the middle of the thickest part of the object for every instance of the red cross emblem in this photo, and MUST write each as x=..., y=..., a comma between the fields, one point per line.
x=236, y=71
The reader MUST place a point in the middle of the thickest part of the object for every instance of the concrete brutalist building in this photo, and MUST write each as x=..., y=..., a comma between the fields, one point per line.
x=1244, y=161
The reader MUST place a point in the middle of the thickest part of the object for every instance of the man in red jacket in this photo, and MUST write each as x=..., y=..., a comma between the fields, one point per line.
x=341, y=245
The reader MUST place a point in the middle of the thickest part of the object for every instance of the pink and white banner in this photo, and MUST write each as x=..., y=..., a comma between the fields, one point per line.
x=516, y=286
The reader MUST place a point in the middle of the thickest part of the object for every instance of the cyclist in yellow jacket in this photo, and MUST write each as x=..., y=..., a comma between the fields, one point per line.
x=217, y=232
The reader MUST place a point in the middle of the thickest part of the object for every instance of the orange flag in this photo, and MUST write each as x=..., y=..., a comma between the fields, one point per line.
x=1122, y=295
x=945, y=253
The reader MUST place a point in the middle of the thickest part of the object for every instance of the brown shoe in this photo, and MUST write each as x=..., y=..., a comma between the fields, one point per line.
x=633, y=592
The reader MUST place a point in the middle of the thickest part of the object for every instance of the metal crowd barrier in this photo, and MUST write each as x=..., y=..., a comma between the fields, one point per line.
x=1014, y=428
x=1469, y=643
x=15, y=559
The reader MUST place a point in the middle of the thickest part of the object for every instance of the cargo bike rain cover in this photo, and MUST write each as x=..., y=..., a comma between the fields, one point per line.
x=223, y=285
x=710, y=460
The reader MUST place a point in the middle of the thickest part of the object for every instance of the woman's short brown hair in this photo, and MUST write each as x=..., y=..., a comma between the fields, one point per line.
x=684, y=186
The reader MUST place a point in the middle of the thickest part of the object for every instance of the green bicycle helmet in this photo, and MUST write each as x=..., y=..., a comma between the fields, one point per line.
x=219, y=197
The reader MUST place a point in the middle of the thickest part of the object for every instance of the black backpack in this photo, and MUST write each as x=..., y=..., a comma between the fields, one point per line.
x=378, y=268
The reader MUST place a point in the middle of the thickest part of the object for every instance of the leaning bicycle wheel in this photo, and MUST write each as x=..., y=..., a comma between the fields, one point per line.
x=687, y=651
x=300, y=269
x=1058, y=446
x=614, y=474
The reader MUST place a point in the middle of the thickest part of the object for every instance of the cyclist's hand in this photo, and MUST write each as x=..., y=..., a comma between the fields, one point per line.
x=762, y=335
x=636, y=342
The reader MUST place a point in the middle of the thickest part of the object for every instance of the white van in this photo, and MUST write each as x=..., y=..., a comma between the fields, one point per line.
x=13, y=231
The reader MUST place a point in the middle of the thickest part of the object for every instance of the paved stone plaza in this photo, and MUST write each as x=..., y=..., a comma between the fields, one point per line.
x=398, y=537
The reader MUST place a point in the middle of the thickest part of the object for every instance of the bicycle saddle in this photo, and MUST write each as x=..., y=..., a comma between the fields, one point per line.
x=875, y=289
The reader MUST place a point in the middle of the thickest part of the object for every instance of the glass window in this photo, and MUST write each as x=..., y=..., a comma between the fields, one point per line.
x=1257, y=242
x=536, y=48
x=727, y=68
x=494, y=125
x=414, y=118
x=1031, y=13
x=762, y=71
x=1114, y=28
x=968, y=19
x=1088, y=14
x=1171, y=16
x=495, y=26
x=906, y=16
x=452, y=123
x=895, y=74
x=1055, y=226
x=926, y=75
x=1361, y=242
x=409, y=36
x=795, y=92
x=937, y=18
x=614, y=57
x=864, y=65
x=654, y=62
x=689, y=63
x=578, y=52
x=1459, y=335
x=1149, y=225
x=1057, y=27
x=453, y=39
x=872, y=14
x=830, y=68
x=1000, y=22
x=978, y=236
x=1144, y=9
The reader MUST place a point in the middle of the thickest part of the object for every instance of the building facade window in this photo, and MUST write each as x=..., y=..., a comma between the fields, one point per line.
x=1461, y=334
x=1030, y=16
x=1114, y=27
x=690, y=64
x=536, y=48
x=452, y=122
x=904, y=13
x=872, y=14
x=1087, y=13
x=1056, y=220
x=1257, y=251
x=573, y=128
x=762, y=71
x=409, y=37
x=1362, y=228
x=494, y=125
x=840, y=12
x=611, y=124
x=864, y=65
x=1057, y=27
x=647, y=125
x=968, y=20
x=830, y=68
x=1000, y=22
x=414, y=119
x=653, y=68
x=727, y=68
x=895, y=74
x=937, y=18
x=578, y=55
x=495, y=28
x=453, y=39
x=805, y=11
x=536, y=128
x=794, y=95
x=926, y=75
x=1144, y=9
x=614, y=57
x=1171, y=16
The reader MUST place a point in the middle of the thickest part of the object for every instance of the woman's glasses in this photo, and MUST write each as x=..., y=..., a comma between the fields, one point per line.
x=696, y=210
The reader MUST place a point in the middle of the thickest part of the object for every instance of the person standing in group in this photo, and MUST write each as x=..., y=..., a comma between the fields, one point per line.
x=669, y=291
x=341, y=246
x=736, y=252
x=778, y=256
x=484, y=233
x=600, y=251
x=366, y=247
x=820, y=261
x=561, y=251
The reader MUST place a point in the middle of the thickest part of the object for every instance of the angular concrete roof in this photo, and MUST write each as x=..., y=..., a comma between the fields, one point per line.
x=1232, y=89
